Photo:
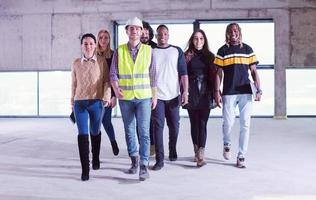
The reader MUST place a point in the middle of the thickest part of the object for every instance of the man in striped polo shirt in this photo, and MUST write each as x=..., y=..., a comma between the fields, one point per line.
x=234, y=59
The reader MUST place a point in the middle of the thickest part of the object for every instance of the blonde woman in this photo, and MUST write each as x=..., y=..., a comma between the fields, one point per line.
x=105, y=53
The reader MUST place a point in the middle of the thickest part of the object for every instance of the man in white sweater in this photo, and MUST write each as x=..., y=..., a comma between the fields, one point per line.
x=171, y=67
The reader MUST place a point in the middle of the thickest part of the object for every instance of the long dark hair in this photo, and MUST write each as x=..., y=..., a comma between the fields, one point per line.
x=208, y=56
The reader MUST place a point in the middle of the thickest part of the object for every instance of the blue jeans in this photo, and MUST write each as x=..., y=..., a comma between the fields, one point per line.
x=137, y=111
x=168, y=110
x=85, y=110
x=244, y=102
x=107, y=123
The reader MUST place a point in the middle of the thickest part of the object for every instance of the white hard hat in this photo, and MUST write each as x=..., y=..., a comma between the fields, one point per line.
x=134, y=22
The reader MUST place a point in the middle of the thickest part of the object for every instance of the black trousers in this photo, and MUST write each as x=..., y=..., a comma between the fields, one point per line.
x=198, y=120
x=168, y=110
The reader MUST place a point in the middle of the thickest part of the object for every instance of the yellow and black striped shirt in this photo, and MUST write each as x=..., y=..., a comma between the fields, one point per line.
x=235, y=62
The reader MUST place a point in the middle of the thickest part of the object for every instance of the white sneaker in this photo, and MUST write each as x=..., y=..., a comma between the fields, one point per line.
x=226, y=152
x=241, y=162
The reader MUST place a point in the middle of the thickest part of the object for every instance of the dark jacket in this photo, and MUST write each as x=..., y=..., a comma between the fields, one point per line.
x=201, y=80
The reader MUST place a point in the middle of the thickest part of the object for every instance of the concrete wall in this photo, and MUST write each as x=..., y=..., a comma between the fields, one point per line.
x=44, y=34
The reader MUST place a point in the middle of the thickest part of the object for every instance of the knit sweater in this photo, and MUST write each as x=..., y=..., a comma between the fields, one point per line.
x=90, y=80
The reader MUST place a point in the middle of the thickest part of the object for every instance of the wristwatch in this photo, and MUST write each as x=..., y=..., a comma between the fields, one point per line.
x=259, y=91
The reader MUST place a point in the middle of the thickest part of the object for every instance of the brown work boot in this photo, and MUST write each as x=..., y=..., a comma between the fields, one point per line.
x=143, y=173
x=195, y=152
x=134, y=165
x=201, y=162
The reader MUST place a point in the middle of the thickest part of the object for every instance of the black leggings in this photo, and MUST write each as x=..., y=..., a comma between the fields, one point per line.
x=198, y=120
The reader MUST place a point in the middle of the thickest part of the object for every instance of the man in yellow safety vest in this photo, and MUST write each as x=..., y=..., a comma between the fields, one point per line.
x=133, y=78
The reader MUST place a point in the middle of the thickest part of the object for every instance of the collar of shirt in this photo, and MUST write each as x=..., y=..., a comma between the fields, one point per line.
x=93, y=59
x=133, y=49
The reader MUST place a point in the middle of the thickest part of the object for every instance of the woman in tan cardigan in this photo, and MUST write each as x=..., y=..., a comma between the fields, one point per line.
x=90, y=92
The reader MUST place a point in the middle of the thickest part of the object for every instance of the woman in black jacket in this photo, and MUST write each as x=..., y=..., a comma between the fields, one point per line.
x=201, y=72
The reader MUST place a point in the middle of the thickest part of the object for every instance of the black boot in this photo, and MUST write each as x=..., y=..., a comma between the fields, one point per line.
x=158, y=165
x=95, y=143
x=115, y=148
x=134, y=165
x=83, y=145
x=173, y=156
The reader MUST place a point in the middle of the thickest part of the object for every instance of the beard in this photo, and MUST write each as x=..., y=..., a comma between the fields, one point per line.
x=144, y=40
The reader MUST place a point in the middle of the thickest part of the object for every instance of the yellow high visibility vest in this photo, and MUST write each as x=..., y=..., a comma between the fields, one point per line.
x=134, y=77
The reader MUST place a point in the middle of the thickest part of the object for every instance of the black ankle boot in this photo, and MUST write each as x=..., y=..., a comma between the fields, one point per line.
x=95, y=143
x=173, y=156
x=83, y=145
x=115, y=148
x=158, y=165
x=134, y=165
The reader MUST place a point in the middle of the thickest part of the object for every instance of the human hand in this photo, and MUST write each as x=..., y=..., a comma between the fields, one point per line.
x=218, y=98
x=113, y=102
x=119, y=93
x=106, y=103
x=258, y=96
x=153, y=103
x=184, y=98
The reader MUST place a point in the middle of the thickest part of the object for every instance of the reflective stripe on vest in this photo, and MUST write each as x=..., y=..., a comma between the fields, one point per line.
x=134, y=77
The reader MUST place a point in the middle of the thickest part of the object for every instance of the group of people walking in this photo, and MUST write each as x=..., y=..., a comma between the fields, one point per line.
x=151, y=82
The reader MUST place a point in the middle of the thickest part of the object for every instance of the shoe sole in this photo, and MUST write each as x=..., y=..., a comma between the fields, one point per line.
x=226, y=157
x=173, y=159
x=240, y=165
x=156, y=168
x=85, y=178
x=143, y=177
x=201, y=164
x=131, y=172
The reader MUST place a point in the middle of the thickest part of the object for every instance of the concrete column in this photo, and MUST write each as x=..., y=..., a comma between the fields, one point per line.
x=282, y=51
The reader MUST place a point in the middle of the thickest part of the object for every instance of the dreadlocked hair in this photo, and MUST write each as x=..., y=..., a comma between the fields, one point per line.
x=228, y=31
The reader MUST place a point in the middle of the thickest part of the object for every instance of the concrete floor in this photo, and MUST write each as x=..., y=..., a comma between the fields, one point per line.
x=39, y=161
